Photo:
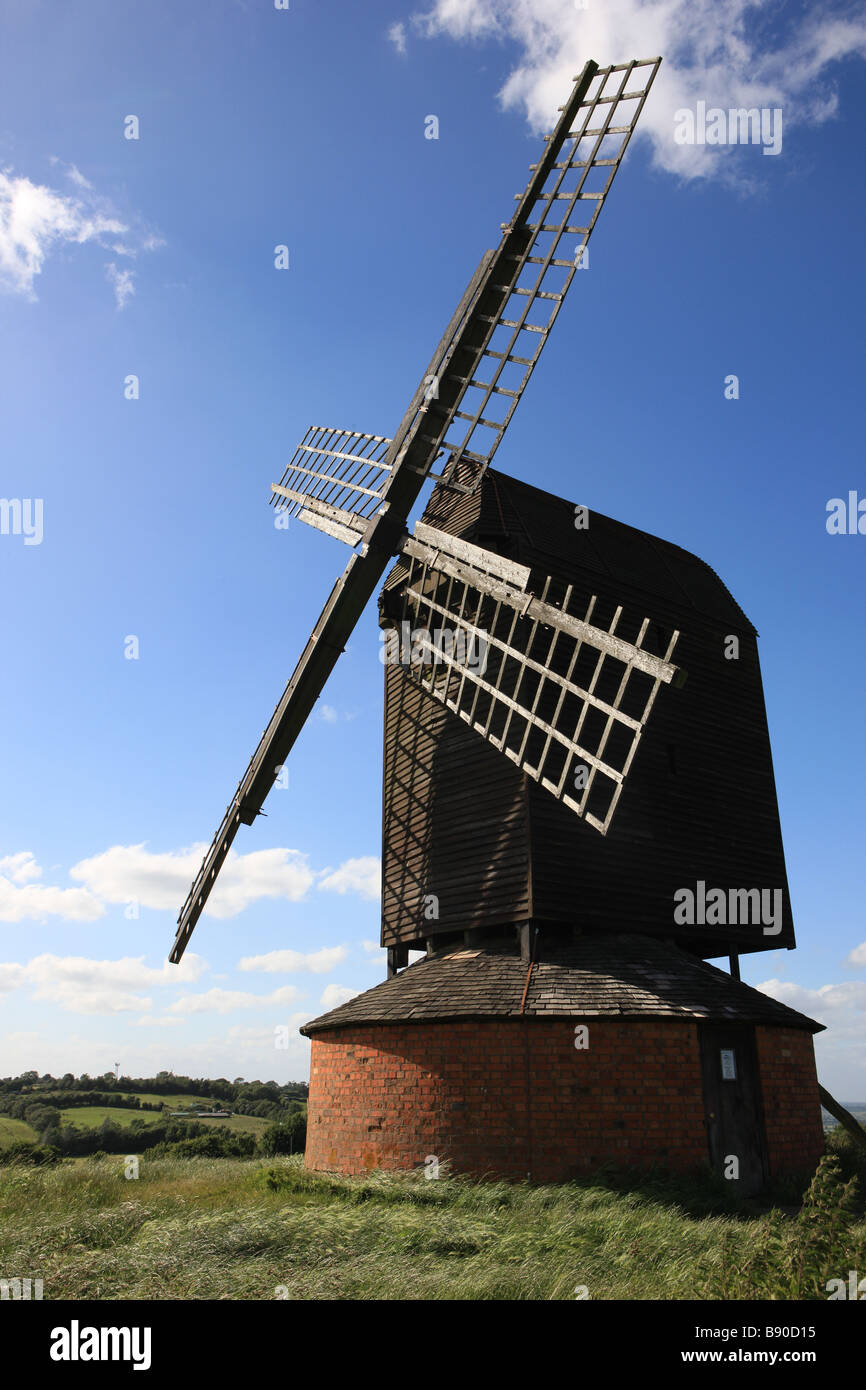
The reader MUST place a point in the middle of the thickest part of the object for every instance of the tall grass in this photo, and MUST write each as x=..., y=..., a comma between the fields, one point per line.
x=265, y=1228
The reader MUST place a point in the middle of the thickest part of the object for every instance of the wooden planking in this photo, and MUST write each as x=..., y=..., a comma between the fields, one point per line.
x=715, y=817
x=454, y=822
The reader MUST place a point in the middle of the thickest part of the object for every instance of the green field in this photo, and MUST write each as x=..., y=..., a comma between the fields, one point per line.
x=246, y=1229
x=15, y=1132
x=92, y=1116
x=247, y=1124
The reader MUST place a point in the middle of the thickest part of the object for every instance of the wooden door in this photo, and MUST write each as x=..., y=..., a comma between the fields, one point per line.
x=732, y=1105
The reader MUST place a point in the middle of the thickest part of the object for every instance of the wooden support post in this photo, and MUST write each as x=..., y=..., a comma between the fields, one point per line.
x=398, y=956
x=734, y=962
x=845, y=1118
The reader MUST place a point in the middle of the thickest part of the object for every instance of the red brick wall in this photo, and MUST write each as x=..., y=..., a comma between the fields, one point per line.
x=386, y=1096
x=792, y=1107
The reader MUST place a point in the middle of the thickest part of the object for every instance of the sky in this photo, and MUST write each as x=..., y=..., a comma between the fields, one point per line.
x=157, y=370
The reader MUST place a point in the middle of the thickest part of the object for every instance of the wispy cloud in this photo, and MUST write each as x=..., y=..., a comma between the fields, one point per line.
x=35, y=220
x=397, y=36
x=289, y=962
x=717, y=51
x=122, y=282
x=226, y=1001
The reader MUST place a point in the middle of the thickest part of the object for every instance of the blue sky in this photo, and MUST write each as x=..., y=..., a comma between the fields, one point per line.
x=155, y=258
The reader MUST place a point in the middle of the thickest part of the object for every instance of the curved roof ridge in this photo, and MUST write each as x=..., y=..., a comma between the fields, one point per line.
x=598, y=975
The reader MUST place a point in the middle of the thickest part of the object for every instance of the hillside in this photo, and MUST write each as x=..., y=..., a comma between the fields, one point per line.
x=81, y=1115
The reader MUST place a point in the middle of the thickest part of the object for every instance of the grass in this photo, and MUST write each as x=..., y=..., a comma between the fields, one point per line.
x=242, y=1229
x=15, y=1132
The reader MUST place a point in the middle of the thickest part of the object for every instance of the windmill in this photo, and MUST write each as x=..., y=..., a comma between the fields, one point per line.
x=554, y=772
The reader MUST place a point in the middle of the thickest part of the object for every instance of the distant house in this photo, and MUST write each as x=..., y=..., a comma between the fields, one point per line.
x=193, y=1114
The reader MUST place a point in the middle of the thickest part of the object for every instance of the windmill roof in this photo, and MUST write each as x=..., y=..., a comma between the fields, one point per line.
x=597, y=976
x=626, y=556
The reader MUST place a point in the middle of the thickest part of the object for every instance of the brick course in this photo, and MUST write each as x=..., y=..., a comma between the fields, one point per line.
x=511, y=1097
x=792, y=1107
x=386, y=1096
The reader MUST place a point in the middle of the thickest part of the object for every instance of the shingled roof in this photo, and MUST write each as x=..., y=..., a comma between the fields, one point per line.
x=597, y=976
x=542, y=526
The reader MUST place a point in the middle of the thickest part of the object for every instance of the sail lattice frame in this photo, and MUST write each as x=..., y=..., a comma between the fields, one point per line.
x=539, y=275
x=563, y=699
x=338, y=471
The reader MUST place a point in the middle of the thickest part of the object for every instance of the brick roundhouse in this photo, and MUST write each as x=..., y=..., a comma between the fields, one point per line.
x=603, y=1064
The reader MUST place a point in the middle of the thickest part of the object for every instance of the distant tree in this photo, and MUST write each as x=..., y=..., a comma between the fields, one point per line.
x=287, y=1138
x=36, y=1154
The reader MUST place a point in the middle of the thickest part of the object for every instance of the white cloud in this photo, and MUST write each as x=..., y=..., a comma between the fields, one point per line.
x=372, y=946
x=21, y=898
x=397, y=36
x=850, y=995
x=134, y=874
x=122, y=282
x=152, y=1021
x=361, y=876
x=334, y=995
x=225, y=1001
x=713, y=51
x=11, y=977
x=318, y=962
x=840, y=1051
x=127, y=873
x=80, y=985
x=328, y=714
x=857, y=956
x=35, y=220
x=20, y=868
x=264, y=1037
